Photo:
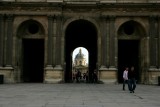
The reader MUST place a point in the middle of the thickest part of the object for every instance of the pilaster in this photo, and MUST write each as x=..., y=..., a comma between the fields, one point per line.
x=153, y=34
x=58, y=35
x=159, y=42
x=145, y=60
x=49, y=45
x=54, y=40
x=107, y=70
x=107, y=40
x=9, y=41
x=156, y=41
x=112, y=42
x=1, y=39
x=53, y=74
x=104, y=41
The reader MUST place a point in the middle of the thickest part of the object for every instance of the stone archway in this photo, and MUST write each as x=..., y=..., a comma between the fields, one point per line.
x=31, y=49
x=80, y=33
x=130, y=49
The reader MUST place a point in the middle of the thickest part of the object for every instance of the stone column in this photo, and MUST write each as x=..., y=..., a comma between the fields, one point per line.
x=54, y=40
x=104, y=41
x=152, y=73
x=8, y=69
x=156, y=42
x=107, y=40
x=53, y=74
x=152, y=34
x=107, y=73
x=159, y=42
x=9, y=41
x=112, y=42
x=116, y=50
x=1, y=39
x=49, y=45
x=58, y=28
x=146, y=61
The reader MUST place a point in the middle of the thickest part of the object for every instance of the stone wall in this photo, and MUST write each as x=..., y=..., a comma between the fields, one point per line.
x=53, y=75
x=111, y=14
x=153, y=75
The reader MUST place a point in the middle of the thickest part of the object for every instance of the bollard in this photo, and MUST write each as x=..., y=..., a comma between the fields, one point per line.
x=159, y=80
x=1, y=79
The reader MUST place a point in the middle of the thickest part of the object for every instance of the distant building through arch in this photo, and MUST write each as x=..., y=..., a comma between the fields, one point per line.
x=79, y=63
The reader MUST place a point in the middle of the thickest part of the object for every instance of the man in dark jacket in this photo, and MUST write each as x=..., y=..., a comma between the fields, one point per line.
x=132, y=79
x=95, y=77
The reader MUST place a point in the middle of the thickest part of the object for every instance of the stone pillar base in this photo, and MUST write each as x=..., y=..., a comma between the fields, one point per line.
x=53, y=75
x=108, y=75
x=153, y=74
x=8, y=74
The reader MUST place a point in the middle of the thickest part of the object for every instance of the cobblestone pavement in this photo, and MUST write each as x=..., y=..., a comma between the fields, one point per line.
x=77, y=95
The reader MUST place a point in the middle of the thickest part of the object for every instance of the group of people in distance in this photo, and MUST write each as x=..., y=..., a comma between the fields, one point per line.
x=85, y=76
x=129, y=77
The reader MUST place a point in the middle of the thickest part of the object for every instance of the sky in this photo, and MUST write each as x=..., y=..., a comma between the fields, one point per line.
x=84, y=51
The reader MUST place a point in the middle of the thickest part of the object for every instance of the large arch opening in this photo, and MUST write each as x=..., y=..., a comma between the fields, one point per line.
x=129, y=51
x=80, y=33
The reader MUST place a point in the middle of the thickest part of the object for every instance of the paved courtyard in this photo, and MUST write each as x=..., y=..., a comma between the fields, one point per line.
x=77, y=95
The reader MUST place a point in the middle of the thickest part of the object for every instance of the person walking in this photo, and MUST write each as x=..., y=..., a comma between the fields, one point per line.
x=95, y=77
x=78, y=74
x=87, y=77
x=132, y=79
x=125, y=77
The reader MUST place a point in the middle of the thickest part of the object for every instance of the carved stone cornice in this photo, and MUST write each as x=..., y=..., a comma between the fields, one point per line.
x=50, y=6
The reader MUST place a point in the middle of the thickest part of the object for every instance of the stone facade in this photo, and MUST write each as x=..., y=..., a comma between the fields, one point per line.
x=51, y=29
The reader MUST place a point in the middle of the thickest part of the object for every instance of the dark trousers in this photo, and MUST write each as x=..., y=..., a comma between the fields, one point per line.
x=132, y=84
x=124, y=82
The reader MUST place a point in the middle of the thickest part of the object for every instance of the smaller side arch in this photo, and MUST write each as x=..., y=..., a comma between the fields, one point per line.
x=29, y=33
x=132, y=36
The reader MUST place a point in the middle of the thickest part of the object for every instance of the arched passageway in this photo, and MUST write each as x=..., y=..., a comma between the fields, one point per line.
x=80, y=33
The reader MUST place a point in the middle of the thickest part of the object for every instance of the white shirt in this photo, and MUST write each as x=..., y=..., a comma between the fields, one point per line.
x=125, y=75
